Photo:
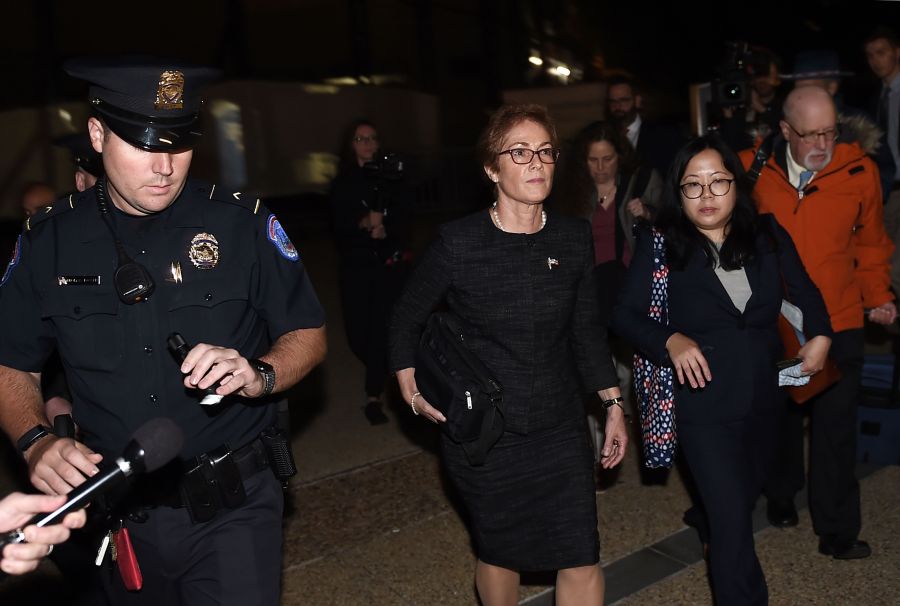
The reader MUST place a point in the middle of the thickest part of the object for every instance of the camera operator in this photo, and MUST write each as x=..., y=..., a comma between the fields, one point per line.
x=371, y=209
x=746, y=98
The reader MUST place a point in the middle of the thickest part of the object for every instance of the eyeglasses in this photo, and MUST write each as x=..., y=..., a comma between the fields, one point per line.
x=811, y=138
x=523, y=155
x=370, y=139
x=717, y=187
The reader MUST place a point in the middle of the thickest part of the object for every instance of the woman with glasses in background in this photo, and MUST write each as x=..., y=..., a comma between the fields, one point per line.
x=371, y=211
x=729, y=269
x=519, y=281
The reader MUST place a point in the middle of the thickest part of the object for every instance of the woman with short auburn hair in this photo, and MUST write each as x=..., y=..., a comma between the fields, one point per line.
x=519, y=281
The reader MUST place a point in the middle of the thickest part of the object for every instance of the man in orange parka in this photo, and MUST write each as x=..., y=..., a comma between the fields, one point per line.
x=827, y=195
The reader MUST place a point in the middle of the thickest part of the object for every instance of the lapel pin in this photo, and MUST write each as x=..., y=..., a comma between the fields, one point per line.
x=175, y=269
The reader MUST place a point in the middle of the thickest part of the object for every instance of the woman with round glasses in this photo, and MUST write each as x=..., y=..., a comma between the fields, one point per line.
x=728, y=271
x=519, y=280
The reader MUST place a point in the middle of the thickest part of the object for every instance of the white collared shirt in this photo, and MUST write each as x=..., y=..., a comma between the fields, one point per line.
x=633, y=131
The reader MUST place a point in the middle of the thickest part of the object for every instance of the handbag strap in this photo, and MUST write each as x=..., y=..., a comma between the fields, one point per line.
x=491, y=429
x=659, y=286
x=444, y=324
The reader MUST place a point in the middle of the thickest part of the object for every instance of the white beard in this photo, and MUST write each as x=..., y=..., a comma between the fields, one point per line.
x=811, y=164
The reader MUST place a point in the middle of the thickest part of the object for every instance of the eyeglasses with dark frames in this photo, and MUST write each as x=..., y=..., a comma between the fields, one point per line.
x=523, y=155
x=717, y=187
x=811, y=138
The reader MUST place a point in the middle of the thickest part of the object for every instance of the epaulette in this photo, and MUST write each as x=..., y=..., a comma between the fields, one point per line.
x=248, y=201
x=60, y=206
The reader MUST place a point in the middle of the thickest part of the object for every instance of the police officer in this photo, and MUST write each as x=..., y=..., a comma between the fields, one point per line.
x=107, y=276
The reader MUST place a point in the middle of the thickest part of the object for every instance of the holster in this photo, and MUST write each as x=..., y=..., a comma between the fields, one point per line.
x=214, y=483
x=278, y=452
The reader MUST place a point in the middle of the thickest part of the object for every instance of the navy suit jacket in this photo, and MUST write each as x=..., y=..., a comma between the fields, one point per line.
x=741, y=348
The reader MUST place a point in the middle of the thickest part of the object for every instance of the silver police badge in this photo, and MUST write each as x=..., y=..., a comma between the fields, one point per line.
x=204, y=251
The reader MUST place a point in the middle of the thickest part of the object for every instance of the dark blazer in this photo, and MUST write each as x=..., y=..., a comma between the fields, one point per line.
x=658, y=142
x=740, y=348
x=528, y=307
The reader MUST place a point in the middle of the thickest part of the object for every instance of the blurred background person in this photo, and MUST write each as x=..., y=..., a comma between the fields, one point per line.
x=35, y=196
x=88, y=163
x=605, y=184
x=729, y=270
x=520, y=282
x=746, y=125
x=654, y=141
x=371, y=214
x=882, y=49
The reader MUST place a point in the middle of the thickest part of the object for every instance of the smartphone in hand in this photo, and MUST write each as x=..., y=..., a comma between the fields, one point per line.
x=787, y=363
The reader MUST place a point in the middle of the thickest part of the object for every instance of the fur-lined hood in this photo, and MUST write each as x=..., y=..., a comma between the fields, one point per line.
x=861, y=130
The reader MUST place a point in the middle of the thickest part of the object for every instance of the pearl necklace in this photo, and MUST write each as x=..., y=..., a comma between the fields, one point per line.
x=500, y=225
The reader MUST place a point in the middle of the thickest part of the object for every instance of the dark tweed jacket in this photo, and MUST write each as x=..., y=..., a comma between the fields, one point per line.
x=528, y=305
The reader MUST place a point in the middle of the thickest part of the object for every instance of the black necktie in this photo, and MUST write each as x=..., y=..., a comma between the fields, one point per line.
x=884, y=107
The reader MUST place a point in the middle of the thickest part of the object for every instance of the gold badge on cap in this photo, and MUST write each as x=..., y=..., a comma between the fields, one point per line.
x=204, y=251
x=170, y=91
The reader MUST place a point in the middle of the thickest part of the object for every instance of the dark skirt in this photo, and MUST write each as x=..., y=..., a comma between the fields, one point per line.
x=532, y=505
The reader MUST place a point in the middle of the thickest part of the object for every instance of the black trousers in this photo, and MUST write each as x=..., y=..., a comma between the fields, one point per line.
x=368, y=292
x=728, y=463
x=833, y=487
x=232, y=560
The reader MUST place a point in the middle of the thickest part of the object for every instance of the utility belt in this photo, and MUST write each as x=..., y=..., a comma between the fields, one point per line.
x=214, y=480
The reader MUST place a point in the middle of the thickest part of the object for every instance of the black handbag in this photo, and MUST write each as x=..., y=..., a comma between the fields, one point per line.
x=456, y=382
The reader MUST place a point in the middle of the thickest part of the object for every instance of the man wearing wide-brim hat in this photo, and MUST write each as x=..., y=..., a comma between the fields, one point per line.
x=820, y=67
x=108, y=276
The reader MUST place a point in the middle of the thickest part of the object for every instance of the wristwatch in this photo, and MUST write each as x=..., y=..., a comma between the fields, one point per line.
x=31, y=436
x=268, y=373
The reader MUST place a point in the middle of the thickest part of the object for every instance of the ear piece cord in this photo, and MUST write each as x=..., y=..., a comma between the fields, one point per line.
x=132, y=281
x=107, y=220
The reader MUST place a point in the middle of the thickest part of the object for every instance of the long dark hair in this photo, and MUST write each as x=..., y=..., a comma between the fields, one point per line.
x=682, y=237
x=346, y=153
x=576, y=184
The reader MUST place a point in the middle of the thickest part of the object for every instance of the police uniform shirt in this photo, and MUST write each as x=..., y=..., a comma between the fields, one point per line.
x=225, y=273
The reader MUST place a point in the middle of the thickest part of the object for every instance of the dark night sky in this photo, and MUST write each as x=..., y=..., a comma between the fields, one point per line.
x=666, y=44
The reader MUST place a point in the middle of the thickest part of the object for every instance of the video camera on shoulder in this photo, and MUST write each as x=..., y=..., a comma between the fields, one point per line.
x=385, y=166
x=385, y=171
x=742, y=63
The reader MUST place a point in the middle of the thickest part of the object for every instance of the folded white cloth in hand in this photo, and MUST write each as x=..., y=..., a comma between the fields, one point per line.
x=792, y=376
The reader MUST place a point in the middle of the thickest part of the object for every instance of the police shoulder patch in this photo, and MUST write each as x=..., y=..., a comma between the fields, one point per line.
x=14, y=260
x=277, y=236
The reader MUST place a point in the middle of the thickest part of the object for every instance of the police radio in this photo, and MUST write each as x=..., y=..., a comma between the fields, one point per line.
x=132, y=281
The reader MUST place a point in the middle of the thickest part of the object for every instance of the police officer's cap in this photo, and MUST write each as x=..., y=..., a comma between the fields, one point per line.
x=152, y=103
x=86, y=158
